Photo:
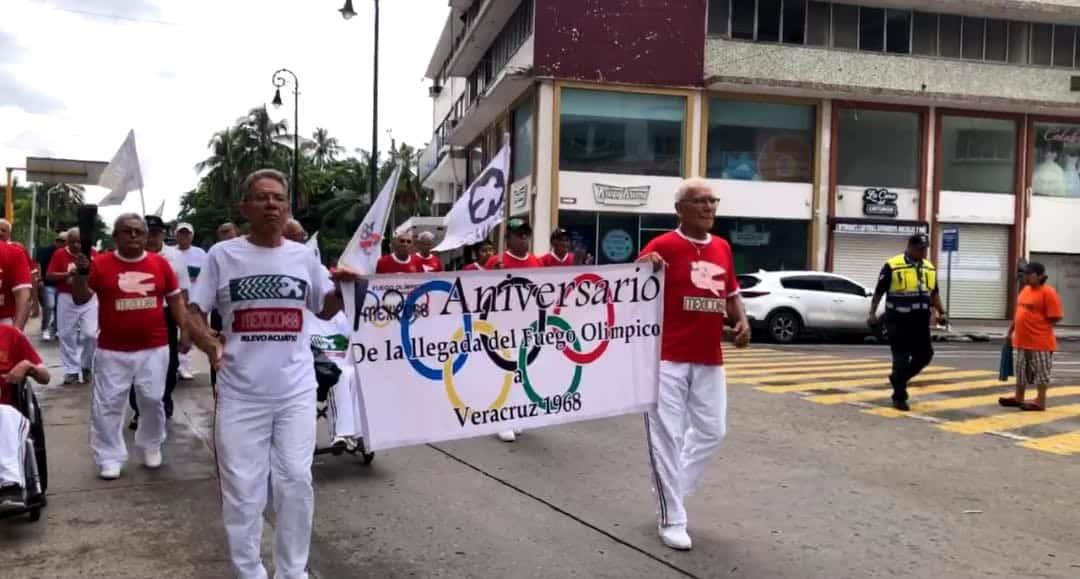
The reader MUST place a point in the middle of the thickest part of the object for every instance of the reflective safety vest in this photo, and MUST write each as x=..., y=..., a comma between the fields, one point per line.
x=910, y=285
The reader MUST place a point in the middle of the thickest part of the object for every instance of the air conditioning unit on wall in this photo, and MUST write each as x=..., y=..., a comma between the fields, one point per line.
x=434, y=90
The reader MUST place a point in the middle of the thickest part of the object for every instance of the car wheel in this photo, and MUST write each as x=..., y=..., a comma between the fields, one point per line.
x=784, y=326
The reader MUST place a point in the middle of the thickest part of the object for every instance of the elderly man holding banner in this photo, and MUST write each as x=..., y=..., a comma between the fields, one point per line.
x=700, y=294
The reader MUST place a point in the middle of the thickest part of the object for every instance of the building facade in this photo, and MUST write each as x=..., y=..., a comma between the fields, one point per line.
x=830, y=131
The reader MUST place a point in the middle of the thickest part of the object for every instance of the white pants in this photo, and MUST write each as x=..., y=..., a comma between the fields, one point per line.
x=77, y=327
x=344, y=405
x=258, y=442
x=115, y=374
x=14, y=429
x=683, y=432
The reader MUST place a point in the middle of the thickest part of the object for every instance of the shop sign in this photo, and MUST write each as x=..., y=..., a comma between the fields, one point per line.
x=879, y=202
x=568, y=200
x=617, y=245
x=519, y=197
x=880, y=228
x=750, y=236
x=625, y=196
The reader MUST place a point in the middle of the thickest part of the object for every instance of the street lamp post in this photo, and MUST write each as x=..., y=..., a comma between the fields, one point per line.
x=347, y=12
x=279, y=81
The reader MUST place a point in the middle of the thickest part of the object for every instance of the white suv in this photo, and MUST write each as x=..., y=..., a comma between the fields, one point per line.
x=787, y=304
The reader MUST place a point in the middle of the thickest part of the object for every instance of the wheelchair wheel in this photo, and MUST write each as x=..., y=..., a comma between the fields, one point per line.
x=361, y=451
x=37, y=430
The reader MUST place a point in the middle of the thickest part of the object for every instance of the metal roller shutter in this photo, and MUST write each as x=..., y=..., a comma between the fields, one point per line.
x=861, y=256
x=981, y=271
x=1063, y=271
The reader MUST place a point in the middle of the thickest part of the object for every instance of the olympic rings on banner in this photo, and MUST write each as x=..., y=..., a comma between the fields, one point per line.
x=592, y=356
x=392, y=313
x=523, y=365
x=448, y=372
x=406, y=341
x=511, y=365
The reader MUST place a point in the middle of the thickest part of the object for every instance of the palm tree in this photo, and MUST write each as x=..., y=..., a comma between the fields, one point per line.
x=323, y=148
x=222, y=164
x=262, y=140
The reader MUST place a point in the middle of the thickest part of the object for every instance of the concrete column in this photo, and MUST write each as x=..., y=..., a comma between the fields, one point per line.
x=545, y=202
x=819, y=228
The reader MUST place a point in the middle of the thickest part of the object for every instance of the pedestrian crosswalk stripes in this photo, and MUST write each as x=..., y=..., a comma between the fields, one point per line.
x=959, y=401
x=966, y=402
x=1065, y=443
x=758, y=370
x=881, y=394
x=858, y=383
x=1012, y=420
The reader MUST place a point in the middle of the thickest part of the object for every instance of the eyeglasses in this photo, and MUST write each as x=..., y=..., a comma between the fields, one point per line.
x=702, y=201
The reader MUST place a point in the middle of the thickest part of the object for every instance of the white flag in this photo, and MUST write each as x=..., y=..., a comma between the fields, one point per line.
x=313, y=244
x=122, y=175
x=365, y=247
x=480, y=209
x=161, y=209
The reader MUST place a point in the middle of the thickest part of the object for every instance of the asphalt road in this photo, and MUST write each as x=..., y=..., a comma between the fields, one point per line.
x=804, y=487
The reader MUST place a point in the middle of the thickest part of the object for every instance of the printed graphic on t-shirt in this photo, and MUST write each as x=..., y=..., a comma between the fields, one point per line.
x=708, y=276
x=289, y=320
x=136, y=282
x=267, y=287
x=333, y=346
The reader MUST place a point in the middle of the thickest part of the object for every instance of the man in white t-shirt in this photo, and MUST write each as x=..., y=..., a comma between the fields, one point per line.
x=261, y=284
x=195, y=258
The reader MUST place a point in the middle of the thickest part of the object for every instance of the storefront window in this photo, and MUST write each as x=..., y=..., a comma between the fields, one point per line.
x=522, y=150
x=755, y=141
x=978, y=155
x=1056, y=157
x=628, y=133
x=582, y=228
x=878, y=148
x=769, y=244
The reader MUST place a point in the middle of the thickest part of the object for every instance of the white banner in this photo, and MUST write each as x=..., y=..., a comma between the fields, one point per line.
x=480, y=208
x=363, y=250
x=456, y=355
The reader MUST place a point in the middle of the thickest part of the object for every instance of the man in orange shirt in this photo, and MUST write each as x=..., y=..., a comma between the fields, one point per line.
x=1038, y=310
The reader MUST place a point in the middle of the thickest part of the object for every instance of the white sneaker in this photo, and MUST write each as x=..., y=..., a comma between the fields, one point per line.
x=152, y=458
x=507, y=436
x=676, y=537
x=185, y=374
x=110, y=472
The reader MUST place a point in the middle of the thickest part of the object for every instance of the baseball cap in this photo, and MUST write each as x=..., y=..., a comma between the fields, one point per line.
x=1035, y=268
x=185, y=226
x=518, y=225
x=919, y=240
x=154, y=222
x=560, y=233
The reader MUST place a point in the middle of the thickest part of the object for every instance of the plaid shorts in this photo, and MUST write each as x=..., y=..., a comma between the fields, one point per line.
x=1033, y=367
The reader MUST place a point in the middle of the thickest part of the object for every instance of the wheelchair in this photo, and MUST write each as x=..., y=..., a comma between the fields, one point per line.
x=327, y=374
x=36, y=467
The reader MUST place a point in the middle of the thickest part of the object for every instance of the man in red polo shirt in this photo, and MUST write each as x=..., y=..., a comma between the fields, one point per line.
x=76, y=325
x=401, y=259
x=16, y=285
x=132, y=286
x=35, y=276
x=560, y=254
x=517, y=254
x=700, y=294
x=428, y=261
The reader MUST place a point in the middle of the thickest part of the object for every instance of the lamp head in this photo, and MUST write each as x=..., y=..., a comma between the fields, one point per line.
x=347, y=11
x=277, y=98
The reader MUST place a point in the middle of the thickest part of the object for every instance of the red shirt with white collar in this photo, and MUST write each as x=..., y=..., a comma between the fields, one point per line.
x=474, y=266
x=131, y=297
x=14, y=274
x=552, y=260
x=698, y=279
x=429, y=263
x=511, y=261
x=63, y=261
x=389, y=263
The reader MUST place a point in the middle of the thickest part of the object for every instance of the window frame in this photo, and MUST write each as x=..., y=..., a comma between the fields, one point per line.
x=708, y=96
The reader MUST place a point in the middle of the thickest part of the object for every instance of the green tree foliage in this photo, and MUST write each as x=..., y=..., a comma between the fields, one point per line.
x=336, y=184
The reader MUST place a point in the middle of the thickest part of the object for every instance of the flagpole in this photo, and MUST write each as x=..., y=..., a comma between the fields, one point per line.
x=142, y=201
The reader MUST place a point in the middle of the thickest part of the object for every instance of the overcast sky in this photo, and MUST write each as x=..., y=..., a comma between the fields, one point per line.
x=76, y=75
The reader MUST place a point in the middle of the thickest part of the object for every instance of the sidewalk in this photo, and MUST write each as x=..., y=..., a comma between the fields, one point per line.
x=138, y=526
x=993, y=330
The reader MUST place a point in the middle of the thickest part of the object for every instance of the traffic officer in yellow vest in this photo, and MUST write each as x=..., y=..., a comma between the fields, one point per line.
x=909, y=281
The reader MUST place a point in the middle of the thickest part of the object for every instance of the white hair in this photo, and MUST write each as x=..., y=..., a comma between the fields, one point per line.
x=426, y=236
x=73, y=231
x=403, y=232
x=691, y=184
x=125, y=216
x=5, y=222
